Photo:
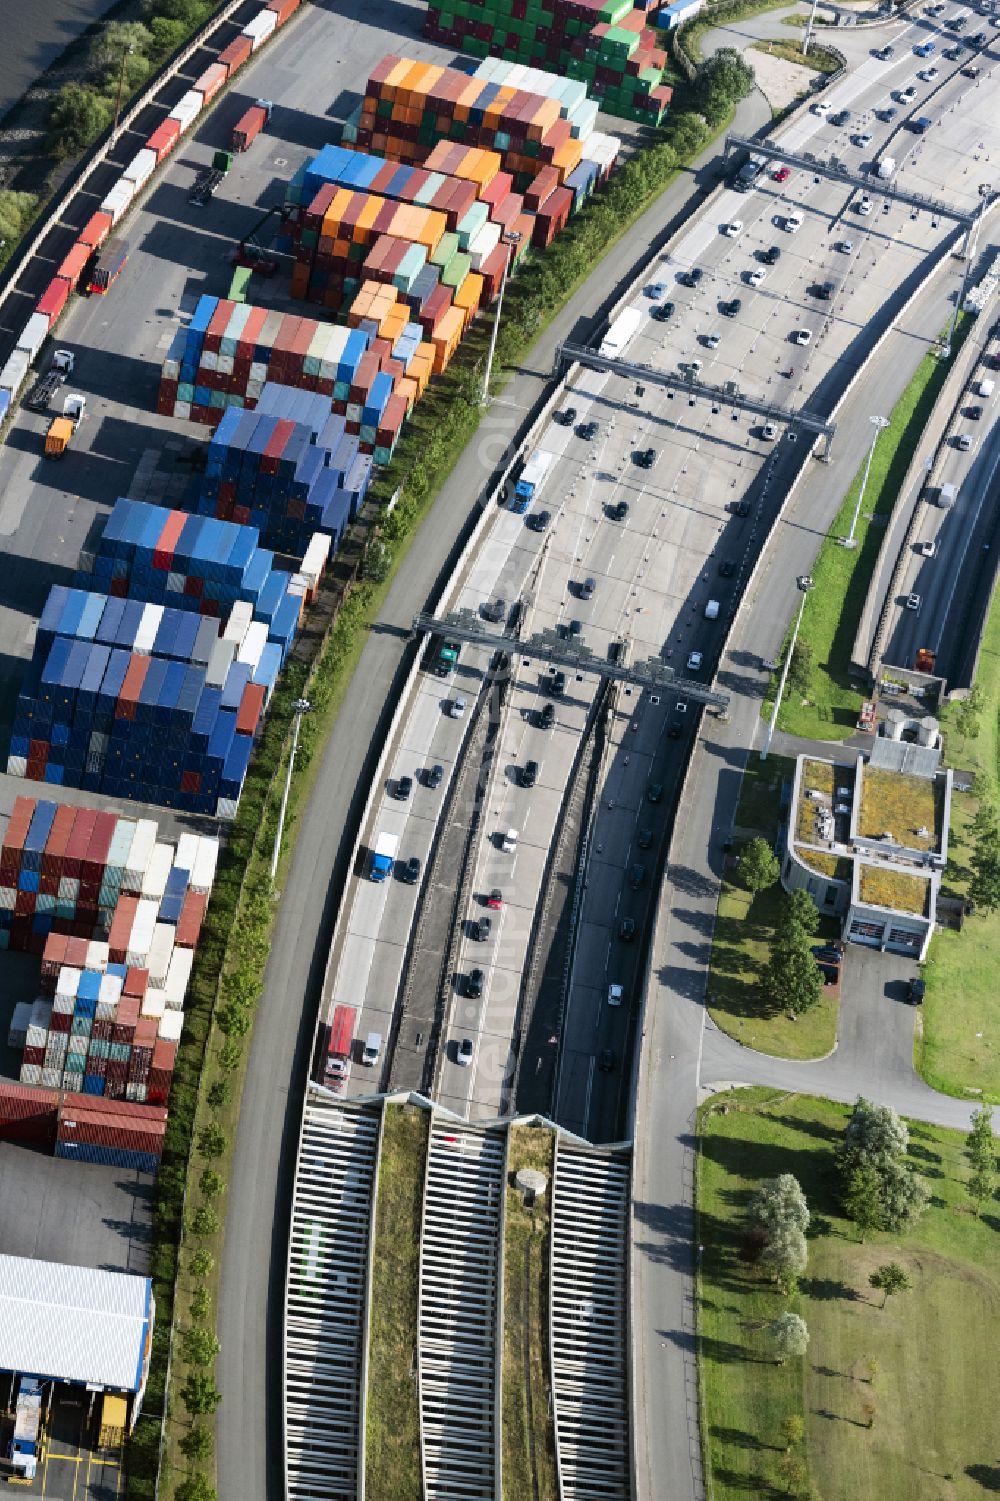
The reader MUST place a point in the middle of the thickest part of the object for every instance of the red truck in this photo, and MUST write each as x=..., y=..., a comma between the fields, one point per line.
x=338, y=1050
x=249, y=126
x=108, y=266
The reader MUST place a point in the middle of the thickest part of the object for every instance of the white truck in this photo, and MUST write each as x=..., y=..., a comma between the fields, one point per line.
x=532, y=477
x=886, y=167
x=620, y=333
x=383, y=856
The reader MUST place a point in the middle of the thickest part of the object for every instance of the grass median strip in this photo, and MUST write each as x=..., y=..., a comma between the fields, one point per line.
x=529, y=1464
x=392, y=1438
x=892, y=1405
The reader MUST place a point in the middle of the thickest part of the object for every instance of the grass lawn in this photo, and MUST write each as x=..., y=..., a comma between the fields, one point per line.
x=744, y=928
x=829, y=710
x=529, y=1462
x=817, y=58
x=896, y=1406
x=392, y=1440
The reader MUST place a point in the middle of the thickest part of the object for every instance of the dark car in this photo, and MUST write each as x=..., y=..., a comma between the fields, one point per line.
x=495, y=898
x=771, y=256
x=619, y=511
x=654, y=792
x=606, y=1060
x=626, y=929
x=566, y=417
x=830, y=973
x=410, y=871
x=740, y=508
x=546, y=716
x=675, y=729
x=975, y=412
x=662, y=311
x=727, y=568
x=496, y=612
x=730, y=309
x=474, y=984
x=644, y=839
x=915, y=993
x=434, y=776
x=825, y=954
x=636, y=875
x=824, y=291
x=537, y=521
x=402, y=787
x=645, y=457
x=528, y=775
x=482, y=928
x=557, y=684
x=842, y=117
x=587, y=587
x=691, y=278
x=587, y=431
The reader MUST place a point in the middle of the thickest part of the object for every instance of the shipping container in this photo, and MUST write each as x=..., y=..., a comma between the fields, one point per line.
x=108, y=266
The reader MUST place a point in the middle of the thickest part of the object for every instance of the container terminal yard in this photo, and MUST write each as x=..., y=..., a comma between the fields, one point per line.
x=208, y=361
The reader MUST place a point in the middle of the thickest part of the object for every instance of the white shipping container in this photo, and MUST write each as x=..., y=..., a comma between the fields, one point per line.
x=138, y=856
x=12, y=378
x=317, y=556
x=240, y=621
x=117, y=201
x=203, y=874
x=135, y=1093
x=64, y=1004
x=154, y=882
x=110, y=991
x=225, y=364
x=33, y=335
x=98, y=954
x=69, y=888
x=56, y=1049
x=67, y=981
x=298, y=586
x=78, y=1046
x=17, y=1033
x=187, y=849
x=149, y=623
x=171, y=1026
x=105, y=1011
x=187, y=109
x=175, y=583
x=219, y=663
x=254, y=643
x=260, y=27
x=226, y=807
x=154, y=1003
x=178, y=976
x=160, y=951
x=141, y=168
x=182, y=409
x=209, y=360
x=485, y=242
x=141, y=935
x=8, y=898
x=31, y=1073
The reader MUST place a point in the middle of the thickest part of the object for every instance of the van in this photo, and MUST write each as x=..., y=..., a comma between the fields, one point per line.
x=946, y=496
x=372, y=1050
x=886, y=167
x=508, y=842
x=712, y=610
x=985, y=388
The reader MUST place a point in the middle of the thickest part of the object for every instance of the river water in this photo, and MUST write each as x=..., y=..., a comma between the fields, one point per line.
x=34, y=33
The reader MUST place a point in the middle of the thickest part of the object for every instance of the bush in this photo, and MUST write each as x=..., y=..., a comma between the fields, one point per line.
x=230, y=1055
x=211, y=1183
x=198, y=1442
x=199, y=1394
x=202, y=1263
x=204, y=1221
x=195, y=1487
x=77, y=116
x=220, y=1093
x=199, y=1346
x=201, y=1303
x=212, y=1140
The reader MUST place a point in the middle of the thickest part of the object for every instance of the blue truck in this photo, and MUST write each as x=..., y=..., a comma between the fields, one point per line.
x=383, y=856
x=530, y=482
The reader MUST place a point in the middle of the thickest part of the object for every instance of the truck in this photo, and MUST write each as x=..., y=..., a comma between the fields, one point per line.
x=867, y=722
x=25, y=1440
x=886, y=167
x=43, y=390
x=622, y=330
x=61, y=429
x=921, y=124
x=531, y=480
x=446, y=658
x=748, y=173
x=249, y=126
x=114, y=1422
x=107, y=266
x=338, y=1051
x=383, y=856
x=926, y=660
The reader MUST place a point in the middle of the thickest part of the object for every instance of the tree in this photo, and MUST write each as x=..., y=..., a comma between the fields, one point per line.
x=759, y=867
x=77, y=115
x=790, y=1335
x=198, y=1442
x=204, y=1221
x=889, y=1279
x=199, y=1394
x=800, y=668
x=779, y=1204
x=862, y=1199
x=794, y=1472
x=793, y=1430
x=212, y=1140
x=800, y=912
x=785, y=1256
x=195, y=1487
x=220, y=1093
x=876, y=1139
x=969, y=711
x=231, y=1054
x=792, y=980
x=199, y=1346
x=202, y=1263
x=211, y=1183
x=984, y=887
x=982, y=1187
x=980, y=1144
x=722, y=80
x=121, y=42
x=201, y=1303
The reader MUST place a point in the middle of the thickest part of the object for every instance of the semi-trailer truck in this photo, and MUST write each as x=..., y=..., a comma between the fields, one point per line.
x=249, y=126
x=61, y=429
x=43, y=391
x=338, y=1052
x=24, y=1443
x=383, y=856
x=531, y=480
x=108, y=266
x=446, y=658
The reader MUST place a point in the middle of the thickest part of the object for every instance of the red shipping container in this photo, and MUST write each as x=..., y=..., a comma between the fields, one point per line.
x=164, y=138
x=61, y=1021
x=236, y=54
x=76, y=952
x=101, y=1031
x=250, y=124
x=271, y=458
x=250, y=709
x=78, y=842
x=95, y=862
x=128, y=698
x=158, y=1085
x=96, y=230
x=141, y=1116
x=55, y=846
x=74, y=263
x=114, y=1089
x=217, y=325
x=22, y=813
x=54, y=956
x=191, y=918
x=28, y=1115
x=136, y=980
x=25, y=904
x=163, y=552
x=211, y=81
x=34, y=1055
x=282, y=9
x=164, y=1054
x=121, y=928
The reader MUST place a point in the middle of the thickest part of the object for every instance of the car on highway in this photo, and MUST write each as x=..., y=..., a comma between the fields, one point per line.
x=645, y=458
x=481, y=929
x=927, y=549
x=916, y=990
x=884, y=53
x=694, y=661
x=433, y=777
x=644, y=839
x=846, y=247
x=863, y=207
x=618, y=511
x=463, y=1053
x=756, y=276
x=474, y=984
x=792, y=223
x=556, y=684
x=495, y=898
x=690, y=278
x=974, y=412
x=401, y=788
x=822, y=109
x=731, y=309
x=566, y=417
x=863, y=139
x=637, y=875
x=615, y=993
x=769, y=432
x=537, y=521
x=783, y=174
x=739, y=507
x=588, y=587
x=952, y=54
x=626, y=929
x=587, y=431
x=662, y=311
x=733, y=229
x=606, y=1060
x=907, y=95
x=656, y=289
x=771, y=256
x=712, y=340
x=692, y=366
x=546, y=717
x=913, y=601
x=928, y=75
x=886, y=115
x=456, y=708
x=802, y=336
x=654, y=792
x=964, y=441
x=727, y=568
x=409, y=871
x=528, y=774
x=926, y=48
x=970, y=72
x=495, y=612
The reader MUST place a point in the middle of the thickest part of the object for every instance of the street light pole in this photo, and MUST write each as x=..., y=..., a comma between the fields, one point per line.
x=971, y=245
x=809, y=28
x=301, y=706
x=878, y=423
x=126, y=53
x=510, y=240
x=804, y=583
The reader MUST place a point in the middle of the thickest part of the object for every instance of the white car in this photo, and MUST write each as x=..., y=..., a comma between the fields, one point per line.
x=864, y=139
x=712, y=341
x=615, y=993
x=865, y=207
x=693, y=365
x=769, y=432
x=927, y=549
x=733, y=230
x=802, y=336
x=846, y=247
x=913, y=601
x=694, y=661
x=929, y=75
x=754, y=278
x=456, y=708
x=822, y=109
x=463, y=1053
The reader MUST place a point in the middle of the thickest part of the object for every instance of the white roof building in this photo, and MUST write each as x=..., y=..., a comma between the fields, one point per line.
x=69, y=1323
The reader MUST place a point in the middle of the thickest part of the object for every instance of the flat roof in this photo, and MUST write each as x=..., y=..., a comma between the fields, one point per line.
x=70, y=1323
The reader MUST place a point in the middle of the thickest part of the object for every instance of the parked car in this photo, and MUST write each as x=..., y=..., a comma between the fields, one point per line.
x=474, y=984
x=496, y=612
x=783, y=174
x=463, y=1053
x=615, y=993
x=915, y=991
x=587, y=431
x=731, y=308
x=588, y=587
x=482, y=928
x=733, y=229
x=771, y=256
x=694, y=661
x=495, y=899
x=433, y=777
x=913, y=601
x=618, y=511
x=556, y=684
x=546, y=716
x=662, y=311
x=456, y=708
x=645, y=458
